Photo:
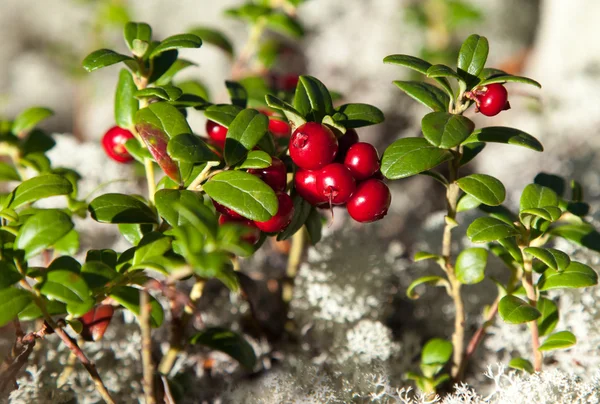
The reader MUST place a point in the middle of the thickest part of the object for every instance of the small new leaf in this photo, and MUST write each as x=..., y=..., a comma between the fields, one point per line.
x=559, y=340
x=470, y=265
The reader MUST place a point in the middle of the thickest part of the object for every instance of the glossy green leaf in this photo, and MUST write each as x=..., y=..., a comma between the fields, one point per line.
x=37, y=141
x=176, y=206
x=424, y=255
x=8, y=173
x=427, y=280
x=442, y=71
x=32, y=311
x=576, y=275
x=500, y=134
x=175, y=68
x=12, y=302
x=126, y=105
x=552, y=257
x=549, y=213
x=536, y=196
x=190, y=149
x=137, y=150
x=213, y=37
x=133, y=232
x=245, y=131
x=244, y=193
x=473, y=55
x=129, y=298
x=166, y=92
x=227, y=341
x=521, y=364
x=436, y=176
x=510, y=244
x=516, y=311
x=223, y=114
x=410, y=156
x=510, y=79
x=29, y=118
x=154, y=244
x=284, y=24
x=582, y=234
x=120, y=208
x=69, y=244
x=8, y=275
x=314, y=226
x=176, y=42
x=294, y=116
x=485, y=188
x=302, y=211
x=446, y=130
x=470, y=151
x=312, y=99
x=359, y=115
x=42, y=230
x=467, y=202
x=249, y=11
x=102, y=58
x=559, y=340
x=486, y=229
x=237, y=93
x=257, y=159
x=549, y=318
x=165, y=117
x=411, y=62
x=43, y=186
x=426, y=94
x=66, y=263
x=436, y=351
x=136, y=30
x=194, y=87
x=470, y=265
x=97, y=274
x=69, y=288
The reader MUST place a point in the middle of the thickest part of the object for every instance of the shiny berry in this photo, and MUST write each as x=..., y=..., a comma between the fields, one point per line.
x=96, y=321
x=362, y=160
x=251, y=233
x=113, y=143
x=493, y=100
x=345, y=141
x=288, y=82
x=336, y=184
x=305, y=183
x=216, y=132
x=282, y=218
x=275, y=175
x=370, y=201
x=226, y=211
x=279, y=128
x=313, y=146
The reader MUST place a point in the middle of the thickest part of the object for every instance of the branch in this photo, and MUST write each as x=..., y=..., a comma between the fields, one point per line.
x=147, y=364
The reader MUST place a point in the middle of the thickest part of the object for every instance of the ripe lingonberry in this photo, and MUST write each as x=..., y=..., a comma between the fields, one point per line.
x=113, y=143
x=251, y=232
x=288, y=82
x=305, y=182
x=362, y=160
x=282, y=218
x=370, y=201
x=313, y=146
x=279, y=128
x=345, y=141
x=216, y=132
x=226, y=211
x=96, y=321
x=336, y=184
x=493, y=100
x=275, y=175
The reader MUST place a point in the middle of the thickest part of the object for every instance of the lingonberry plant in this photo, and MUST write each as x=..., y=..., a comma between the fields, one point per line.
x=522, y=240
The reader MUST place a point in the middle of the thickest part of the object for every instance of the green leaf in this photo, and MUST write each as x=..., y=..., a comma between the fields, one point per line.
x=214, y=37
x=428, y=280
x=411, y=62
x=424, y=255
x=442, y=71
x=136, y=30
x=32, y=311
x=29, y=118
x=97, y=274
x=224, y=340
x=43, y=186
x=302, y=210
x=549, y=317
x=549, y=213
x=485, y=188
x=312, y=99
x=576, y=275
x=129, y=298
x=194, y=87
x=486, y=229
x=8, y=275
x=552, y=257
x=37, y=141
x=137, y=150
x=473, y=55
x=190, y=149
x=176, y=42
x=359, y=115
x=467, y=202
x=8, y=173
x=582, y=234
x=244, y=193
x=237, y=93
x=284, y=24
x=470, y=151
x=314, y=226
x=410, y=156
x=154, y=244
x=176, y=206
x=516, y=311
x=102, y=58
x=249, y=11
x=134, y=232
x=510, y=79
x=500, y=134
x=559, y=340
x=536, y=196
x=470, y=265
x=12, y=302
x=510, y=244
x=69, y=288
x=42, y=230
x=248, y=127
x=257, y=159
x=166, y=92
x=175, y=68
x=436, y=351
x=120, y=208
x=521, y=364
x=436, y=176
x=222, y=114
x=165, y=117
x=69, y=244
x=294, y=116
x=126, y=105
x=426, y=94
x=446, y=130
x=66, y=263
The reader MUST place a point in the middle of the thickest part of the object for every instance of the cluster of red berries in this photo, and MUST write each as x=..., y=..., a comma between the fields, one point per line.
x=340, y=171
x=491, y=99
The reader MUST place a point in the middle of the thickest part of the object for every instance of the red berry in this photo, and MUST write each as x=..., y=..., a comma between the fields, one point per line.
x=282, y=218
x=336, y=184
x=96, y=321
x=216, y=132
x=313, y=146
x=305, y=183
x=493, y=100
x=288, y=82
x=279, y=128
x=114, y=144
x=370, y=202
x=226, y=211
x=346, y=141
x=251, y=232
x=275, y=175
x=362, y=160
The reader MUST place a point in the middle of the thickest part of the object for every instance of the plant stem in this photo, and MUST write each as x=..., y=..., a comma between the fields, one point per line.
x=149, y=168
x=249, y=49
x=294, y=260
x=147, y=364
x=532, y=297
